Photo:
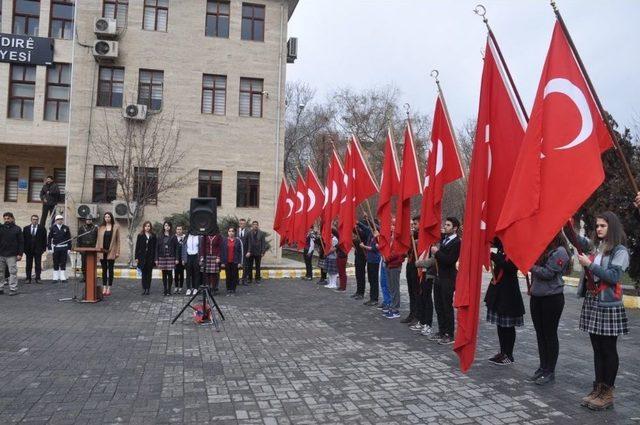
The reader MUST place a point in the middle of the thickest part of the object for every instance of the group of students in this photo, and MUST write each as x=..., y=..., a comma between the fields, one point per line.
x=202, y=257
x=431, y=283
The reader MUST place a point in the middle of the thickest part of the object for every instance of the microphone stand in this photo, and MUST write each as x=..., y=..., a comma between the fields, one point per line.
x=75, y=280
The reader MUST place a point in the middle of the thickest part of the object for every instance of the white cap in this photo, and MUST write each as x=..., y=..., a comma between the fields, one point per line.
x=59, y=217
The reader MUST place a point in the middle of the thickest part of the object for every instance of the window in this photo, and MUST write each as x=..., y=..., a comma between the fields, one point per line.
x=105, y=184
x=210, y=185
x=155, y=15
x=57, y=94
x=22, y=91
x=60, y=177
x=250, y=97
x=26, y=17
x=248, y=189
x=116, y=9
x=11, y=176
x=150, y=89
x=217, y=22
x=36, y=181
x=61, y=25
x=252, y=22
x=110, y=86
x=214, y=94
x=145, y=185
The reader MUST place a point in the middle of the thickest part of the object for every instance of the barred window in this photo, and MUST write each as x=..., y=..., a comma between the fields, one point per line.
x=36, y=181
x=61, y=19
x=26, y=17
x=60, y=177
x=145, y=185
x=248, y=189
x=217, y=21
x=252, y=22
x=150, y=88
x=11, y=177
x=116, y=9
x=156, y=13
x=110, y=86
x=251, y=97
x=210, y=185
x=58, y=92
x=214, y=94
x=105, y=184
x=22, y=91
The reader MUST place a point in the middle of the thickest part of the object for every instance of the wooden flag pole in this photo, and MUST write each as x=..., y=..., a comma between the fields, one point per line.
x=603, y=114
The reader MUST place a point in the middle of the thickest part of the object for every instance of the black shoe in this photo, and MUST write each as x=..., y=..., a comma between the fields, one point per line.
x=322, y=282
x=446, y=340
x=144, y=292
x=38, y=281
x=407, y=319
x=12, y=293
x=1, y=291
x=353, y=295
x=27, y=282
x=358, y=297
x=496, y=358
x=546, y=378
x=537, y=374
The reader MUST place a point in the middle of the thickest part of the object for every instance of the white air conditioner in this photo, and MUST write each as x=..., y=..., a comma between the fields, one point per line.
x=121, y=210
x=105, y=27
x=292, y=50
x=84, y=210
x=105, y=49
x=135, y=112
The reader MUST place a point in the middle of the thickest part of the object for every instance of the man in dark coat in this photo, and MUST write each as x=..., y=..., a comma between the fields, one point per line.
x=255, y=249
x=49, y=195
x=11, y=250
x=87, y=238
x=59, y=242
x=35, y=244
x=243, y=235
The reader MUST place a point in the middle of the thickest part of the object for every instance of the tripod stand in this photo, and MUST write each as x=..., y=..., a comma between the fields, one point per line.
x=207, y=297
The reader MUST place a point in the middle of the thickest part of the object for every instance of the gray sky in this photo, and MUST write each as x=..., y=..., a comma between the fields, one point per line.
x=372, y=43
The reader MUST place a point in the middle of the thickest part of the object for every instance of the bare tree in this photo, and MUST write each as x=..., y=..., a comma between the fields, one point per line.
x=147, y=155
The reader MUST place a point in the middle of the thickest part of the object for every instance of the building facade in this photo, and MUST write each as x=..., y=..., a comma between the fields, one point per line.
x=217, y=68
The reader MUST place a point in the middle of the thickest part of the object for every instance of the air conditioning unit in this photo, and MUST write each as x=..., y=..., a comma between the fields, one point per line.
x=105, y=27
x=292, y=50
x=84, y=210
x=135, y=112
x=121, y=210
x=105, y=49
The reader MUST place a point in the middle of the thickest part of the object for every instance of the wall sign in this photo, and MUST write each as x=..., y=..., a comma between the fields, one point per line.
x=26, y=49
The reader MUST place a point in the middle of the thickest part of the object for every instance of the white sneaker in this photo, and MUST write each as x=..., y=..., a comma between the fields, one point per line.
x=332, y=286
x=426, y=330
x=62, y=276
x=416, y=327
x=188, y=292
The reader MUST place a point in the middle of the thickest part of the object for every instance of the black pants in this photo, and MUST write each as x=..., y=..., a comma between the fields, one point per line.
x=373, y=270
x=507, y=338
x=46, y=210
x=307, y=263
x=361, y=274
x=167, y=280
x=37, y=259
x=147, y=273
x=107, y=271
x=193, y=272
x=179, y=275
x=60, y=259
x=443, y=299
x=605, y=358
x=545, y=313
x=253, y=259
x=424, y=302
x=412, y=286
x=231, y=270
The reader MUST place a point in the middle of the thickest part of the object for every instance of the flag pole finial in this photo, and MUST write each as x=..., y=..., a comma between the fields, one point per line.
x=481, y=11
x=407, y=109
x=554, y=5
x=434, y=74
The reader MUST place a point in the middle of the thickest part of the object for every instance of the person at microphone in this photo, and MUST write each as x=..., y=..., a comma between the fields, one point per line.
x=59, y=243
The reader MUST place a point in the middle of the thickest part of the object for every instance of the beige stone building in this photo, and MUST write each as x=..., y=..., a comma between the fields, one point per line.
x=218, y=67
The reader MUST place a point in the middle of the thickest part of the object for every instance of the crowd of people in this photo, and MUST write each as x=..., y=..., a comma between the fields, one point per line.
x=431, y=280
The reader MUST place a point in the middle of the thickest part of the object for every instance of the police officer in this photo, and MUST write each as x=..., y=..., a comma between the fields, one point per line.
x=59, y=243
x=88, y=236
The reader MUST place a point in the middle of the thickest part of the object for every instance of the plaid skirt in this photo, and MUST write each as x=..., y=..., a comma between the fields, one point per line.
x=332, y=265
x=166, y=263
x=607, y=321
x=210, y=264
x=504, y=321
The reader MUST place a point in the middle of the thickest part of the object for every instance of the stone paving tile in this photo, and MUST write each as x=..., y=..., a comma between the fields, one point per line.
x=290, y=352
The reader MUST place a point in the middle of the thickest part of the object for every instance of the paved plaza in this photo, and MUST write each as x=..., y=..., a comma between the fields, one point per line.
x=290, y=352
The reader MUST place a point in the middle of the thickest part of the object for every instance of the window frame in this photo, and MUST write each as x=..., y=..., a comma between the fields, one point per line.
x=155, y=7
x=253, y=20
x=63, y=20
x=217, y=16
x=211, y=184
x=48, y=84
x=150, y=85
x=27, y=17
x=104, y=182
x=8, y=180
x=21, y=98
x=251, y=93
x=116, y=5
x=111, y=83
x=214, y=90
x=136, y=175
x=32, y=180
x=244, y=183
x=62, y=185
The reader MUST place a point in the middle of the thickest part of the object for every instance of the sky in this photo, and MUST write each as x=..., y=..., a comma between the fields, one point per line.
x=365, y=44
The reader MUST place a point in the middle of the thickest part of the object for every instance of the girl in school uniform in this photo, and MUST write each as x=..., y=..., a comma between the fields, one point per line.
x=146, y=255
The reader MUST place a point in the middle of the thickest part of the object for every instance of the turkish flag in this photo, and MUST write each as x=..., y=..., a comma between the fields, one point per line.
x=364, y=185
x=333, y=195
x=299, y=226
x=347, y=202
x=389, y=187
x=287, y=220
x=410, y=186
x=559, y=165
x=281, y=209
x=315, y=197
x=443, y=166
x=499, y=133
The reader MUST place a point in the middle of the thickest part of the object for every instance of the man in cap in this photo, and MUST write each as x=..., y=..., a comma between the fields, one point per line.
x=59, y=243
x=88, y=236
x=11, y=249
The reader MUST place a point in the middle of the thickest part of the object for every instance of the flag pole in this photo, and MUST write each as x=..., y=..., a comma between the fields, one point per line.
x=612, y=133
x=407, y=109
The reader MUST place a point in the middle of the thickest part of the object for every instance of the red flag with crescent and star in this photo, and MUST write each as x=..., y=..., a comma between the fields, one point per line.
x=559, y=165
x=497, y=142
x=333, y=187
x=281, y=209
x=389, y=186
x=410, y=185
x=299, y=226
x=287, y=221
x=315, y=198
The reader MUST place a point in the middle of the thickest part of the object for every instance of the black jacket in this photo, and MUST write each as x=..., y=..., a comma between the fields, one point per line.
x=256, y=243
x=50, y=194
x=166, y=246
x=146, y=250
x=245, y=238
x=11, y=240
x=503, y=294
x=57, y=236
x=34, y=245
x=447, y=257
x=90, y=239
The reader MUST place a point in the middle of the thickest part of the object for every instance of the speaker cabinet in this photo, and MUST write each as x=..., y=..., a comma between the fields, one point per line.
x=203, y=216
